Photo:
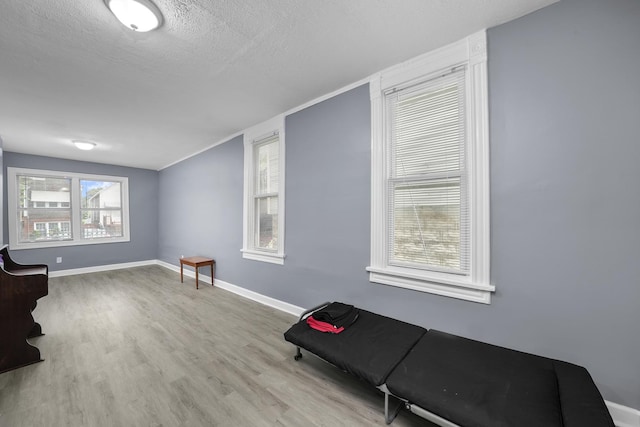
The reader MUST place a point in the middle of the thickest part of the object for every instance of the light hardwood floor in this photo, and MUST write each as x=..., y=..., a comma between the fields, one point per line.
x=136, y=347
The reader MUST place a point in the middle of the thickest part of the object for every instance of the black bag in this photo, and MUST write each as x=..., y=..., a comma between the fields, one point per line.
x=338, y=314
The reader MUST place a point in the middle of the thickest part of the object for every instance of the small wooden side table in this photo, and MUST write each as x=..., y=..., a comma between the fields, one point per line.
x=196, y=262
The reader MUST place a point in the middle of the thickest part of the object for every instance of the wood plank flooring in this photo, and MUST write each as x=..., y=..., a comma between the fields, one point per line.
x=136, y=347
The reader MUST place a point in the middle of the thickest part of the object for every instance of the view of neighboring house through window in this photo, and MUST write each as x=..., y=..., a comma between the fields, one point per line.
x=101, y=209
x=50, y=208
x=39, y=213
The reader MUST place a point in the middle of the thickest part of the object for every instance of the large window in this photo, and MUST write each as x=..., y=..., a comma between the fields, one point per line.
x=264, y=192
x=430, y=172
x=48, y=208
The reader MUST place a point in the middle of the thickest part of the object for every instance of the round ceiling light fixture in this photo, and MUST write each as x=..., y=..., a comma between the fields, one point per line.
x=84, y=145
x=137, y=15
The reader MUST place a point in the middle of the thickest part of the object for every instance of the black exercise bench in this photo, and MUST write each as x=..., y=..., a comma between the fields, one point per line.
x=454, y=381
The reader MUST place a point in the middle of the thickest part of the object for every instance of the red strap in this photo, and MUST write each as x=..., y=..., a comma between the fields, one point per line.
x=323, y=326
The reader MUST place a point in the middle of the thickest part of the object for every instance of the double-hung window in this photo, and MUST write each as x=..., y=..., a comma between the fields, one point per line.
x=430, y=175
x=264, y=192
x=50, y=208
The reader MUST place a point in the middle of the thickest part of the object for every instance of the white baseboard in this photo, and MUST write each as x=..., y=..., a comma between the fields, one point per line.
x=623, y=416
x=97, y=268
x=262, y=299
x=246, y=293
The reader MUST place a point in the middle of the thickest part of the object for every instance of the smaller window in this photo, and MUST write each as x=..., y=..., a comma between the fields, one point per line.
x=65, y=230
x=263, y=229
x=40, y=231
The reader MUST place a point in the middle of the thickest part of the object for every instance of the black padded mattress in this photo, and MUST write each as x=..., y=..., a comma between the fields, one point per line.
x=582, y=403
x=369, y=349
x=475, y=384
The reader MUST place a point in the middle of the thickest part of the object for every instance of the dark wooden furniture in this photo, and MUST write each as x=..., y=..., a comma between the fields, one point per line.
x=196, y=262
x=20, y=287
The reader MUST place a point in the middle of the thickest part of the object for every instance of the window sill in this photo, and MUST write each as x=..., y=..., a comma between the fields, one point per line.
x=272, y=258
x=435, y=283
x=62, y=243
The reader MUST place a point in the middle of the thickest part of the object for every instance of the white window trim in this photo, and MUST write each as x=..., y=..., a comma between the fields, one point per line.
x=251, y=137
x=75, y=209
x=472, y=52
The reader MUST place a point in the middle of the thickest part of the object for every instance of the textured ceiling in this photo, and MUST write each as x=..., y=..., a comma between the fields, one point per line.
x=69, y=70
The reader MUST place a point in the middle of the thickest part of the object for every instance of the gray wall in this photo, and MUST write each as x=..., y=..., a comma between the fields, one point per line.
x=200, y=208
x=201, y=205
x=564, y=150
x=143, y=216
x=565, y=126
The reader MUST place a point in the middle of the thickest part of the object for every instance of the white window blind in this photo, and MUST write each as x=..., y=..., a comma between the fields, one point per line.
x=428, y=222
x=267, y=173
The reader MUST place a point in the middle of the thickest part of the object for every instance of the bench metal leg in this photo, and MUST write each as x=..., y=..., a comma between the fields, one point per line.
x=389, y=416
x=430, y=416
x=298, y=355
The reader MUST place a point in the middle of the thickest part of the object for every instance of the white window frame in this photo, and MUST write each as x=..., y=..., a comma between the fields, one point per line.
x=76, y=227
x=471, y=53
x=253, y=137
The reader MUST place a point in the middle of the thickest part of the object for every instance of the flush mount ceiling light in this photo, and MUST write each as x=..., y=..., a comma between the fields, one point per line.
x=138, y=15
x=84, y=145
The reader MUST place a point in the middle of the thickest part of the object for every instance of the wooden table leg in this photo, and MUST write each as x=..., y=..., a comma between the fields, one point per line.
x=196, y=263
